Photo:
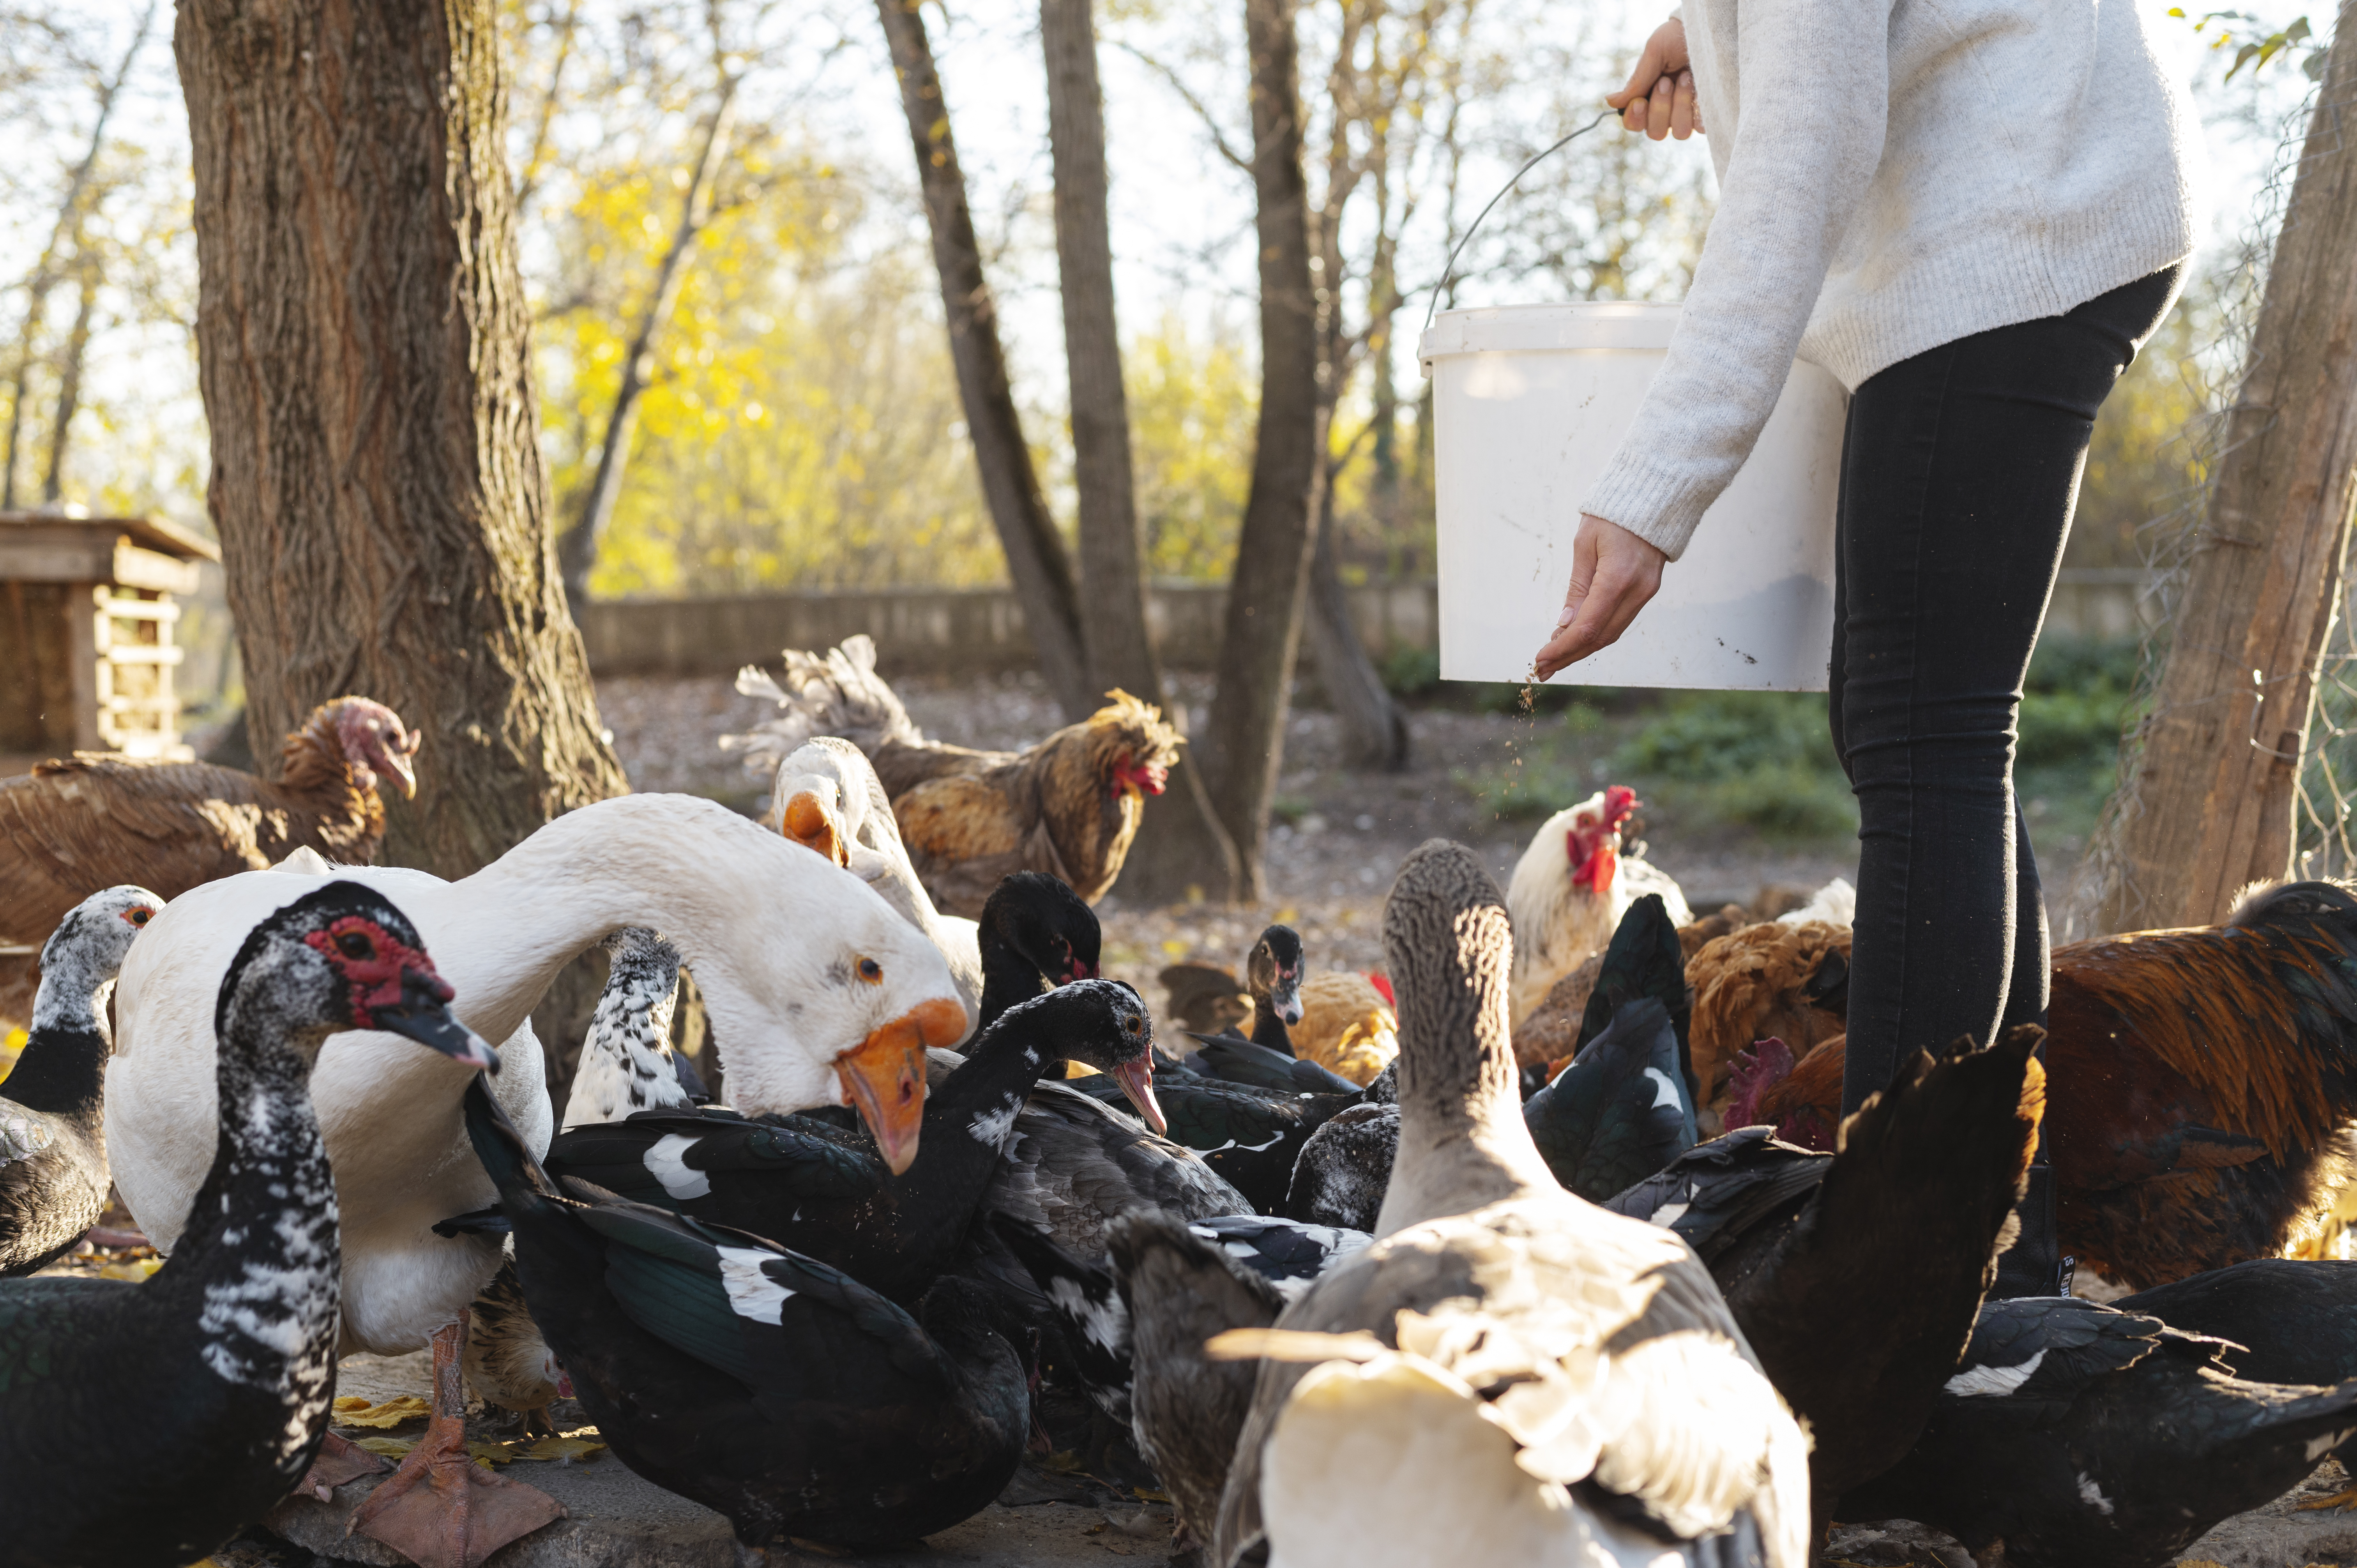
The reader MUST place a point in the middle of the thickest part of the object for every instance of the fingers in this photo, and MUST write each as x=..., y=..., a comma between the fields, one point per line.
x=1648, y=103
x=1614, y=574
x=1668, y=110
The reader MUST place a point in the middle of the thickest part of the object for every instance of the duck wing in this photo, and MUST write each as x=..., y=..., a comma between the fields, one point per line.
x=1251, y=1137
x=1073, y=1166
x=52, y=1187
x=2080, y=1434
x=672, y=1159
x=1608, y=1365
x=1620, y=1111
x=1240, y=1061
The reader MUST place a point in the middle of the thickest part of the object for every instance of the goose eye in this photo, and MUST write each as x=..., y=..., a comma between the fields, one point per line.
x=871, y=972
x=353, y=945
x=140, y=916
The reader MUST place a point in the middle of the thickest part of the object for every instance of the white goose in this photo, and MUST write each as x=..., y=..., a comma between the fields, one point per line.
x=817, y=991
x=827, y=796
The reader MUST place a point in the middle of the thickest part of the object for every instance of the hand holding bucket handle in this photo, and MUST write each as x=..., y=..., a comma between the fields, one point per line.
x=1660, y=97
x=1613, y=573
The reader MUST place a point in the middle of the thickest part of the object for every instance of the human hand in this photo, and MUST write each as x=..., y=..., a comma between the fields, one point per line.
x=1613, y=573
x=1660, y=97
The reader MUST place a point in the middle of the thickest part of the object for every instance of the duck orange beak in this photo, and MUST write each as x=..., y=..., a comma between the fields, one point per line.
x=1136, y=1080
x=807, y=822
x=883, y=1077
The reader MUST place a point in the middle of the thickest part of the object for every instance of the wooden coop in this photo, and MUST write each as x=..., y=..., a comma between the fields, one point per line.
x=86, y=650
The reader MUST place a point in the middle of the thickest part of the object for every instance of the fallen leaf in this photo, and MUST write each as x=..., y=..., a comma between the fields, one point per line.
x=1150, y=1496
x=1063, y=1463
x=386, y=1447
x=353, y=1411
x=135, y=1270
x=568, y=1450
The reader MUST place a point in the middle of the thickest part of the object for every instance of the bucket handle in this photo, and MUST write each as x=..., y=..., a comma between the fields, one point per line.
x=1442, y=287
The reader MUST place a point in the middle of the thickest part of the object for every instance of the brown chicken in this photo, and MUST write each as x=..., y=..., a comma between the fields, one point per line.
x=1762, y=981
x=2201, y=1085
x=1068, y=806
x=75, y=826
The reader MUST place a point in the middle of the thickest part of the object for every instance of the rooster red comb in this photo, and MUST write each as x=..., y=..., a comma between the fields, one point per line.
x=1620, y=804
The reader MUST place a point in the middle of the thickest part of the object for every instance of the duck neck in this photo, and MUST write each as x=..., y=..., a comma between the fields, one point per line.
x=260, y=1250
x=1007, y=977
x=625, y=1063
x=1268, y=1030
x=1463, y=1144
x=62, y=1070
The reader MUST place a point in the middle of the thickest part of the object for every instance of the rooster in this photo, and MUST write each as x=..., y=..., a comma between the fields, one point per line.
x=1570, y=889
x=2203, y=1082
x=75, y=826
x=1068, y=806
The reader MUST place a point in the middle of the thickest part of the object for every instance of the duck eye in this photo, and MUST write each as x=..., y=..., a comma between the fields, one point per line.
x=353, y=945
x=870, y=971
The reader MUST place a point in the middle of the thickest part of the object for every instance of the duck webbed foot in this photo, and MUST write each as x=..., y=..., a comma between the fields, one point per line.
x=440, y=1509
x=339, y=1459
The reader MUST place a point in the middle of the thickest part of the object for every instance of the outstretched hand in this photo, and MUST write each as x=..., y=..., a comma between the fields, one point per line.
x=1613, y=573
x=1660, y=97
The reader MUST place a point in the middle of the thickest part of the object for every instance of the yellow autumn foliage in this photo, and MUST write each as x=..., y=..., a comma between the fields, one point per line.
x=352, y=1410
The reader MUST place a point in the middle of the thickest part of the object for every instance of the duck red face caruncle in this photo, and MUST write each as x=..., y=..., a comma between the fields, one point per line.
x=1593, y=842
x=1148, y=778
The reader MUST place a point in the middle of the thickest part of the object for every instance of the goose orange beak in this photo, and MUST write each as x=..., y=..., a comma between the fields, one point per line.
x=883, y=1077
x=807, y=821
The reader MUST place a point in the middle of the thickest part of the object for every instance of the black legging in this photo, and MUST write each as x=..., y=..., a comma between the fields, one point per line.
x=1959, y=471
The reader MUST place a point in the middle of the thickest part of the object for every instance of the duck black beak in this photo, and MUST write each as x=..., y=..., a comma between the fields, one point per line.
x=425, y=1018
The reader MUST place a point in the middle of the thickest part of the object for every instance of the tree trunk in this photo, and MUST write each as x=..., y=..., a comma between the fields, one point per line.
x=70, y=385
x=2214, y=794
x=43, y=275
x=362, y=342
x=1181, y=846
x=1262, y=631
x=576, y=551
x=1374, y=731
x=1036, y=561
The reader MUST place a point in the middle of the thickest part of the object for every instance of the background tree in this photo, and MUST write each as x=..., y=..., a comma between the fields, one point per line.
x=377, y=478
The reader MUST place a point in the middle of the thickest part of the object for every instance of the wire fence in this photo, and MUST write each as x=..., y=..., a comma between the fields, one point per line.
x=2326, y=794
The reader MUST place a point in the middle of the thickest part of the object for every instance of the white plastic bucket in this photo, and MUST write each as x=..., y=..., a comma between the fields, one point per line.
x=1530, y=401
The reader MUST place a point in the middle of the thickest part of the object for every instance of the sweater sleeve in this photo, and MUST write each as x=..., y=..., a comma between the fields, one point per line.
x=1815, y=79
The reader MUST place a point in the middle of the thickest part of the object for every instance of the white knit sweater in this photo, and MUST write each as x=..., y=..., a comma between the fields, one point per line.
x=1917, y=171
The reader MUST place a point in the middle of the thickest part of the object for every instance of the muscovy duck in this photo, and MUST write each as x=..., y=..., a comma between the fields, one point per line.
x=825, y=1191
x=227, y=1352
x=2080, y=1435
x=53, y=1176
x=758, y=1381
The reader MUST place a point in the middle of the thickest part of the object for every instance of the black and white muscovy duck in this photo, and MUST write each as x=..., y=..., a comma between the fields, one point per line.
x=826, y=1191
x=53, y=1176
x=2288, y=1320
x=627, y=1062
x=1343, y=1171
x=1507, y=1374
x=758, y=1381
x=1625, y=1106
x=1137, y=1321
x=1856, y=1276
x=227, y=1354
x=2084, y=1436
x=1252, y=1137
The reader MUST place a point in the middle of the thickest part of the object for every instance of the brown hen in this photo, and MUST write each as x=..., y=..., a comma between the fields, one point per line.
x=1068, y=806
x=75, y=826
x=2201, y=1083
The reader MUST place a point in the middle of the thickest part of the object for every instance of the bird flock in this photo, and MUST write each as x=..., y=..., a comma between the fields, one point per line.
x=1543, y=1245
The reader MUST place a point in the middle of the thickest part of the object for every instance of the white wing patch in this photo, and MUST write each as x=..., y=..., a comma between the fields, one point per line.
x=2093, y=1496
x=22, y=1135
x=1991, y=1382
x=1665, y=1094
x=2318, y=1447
x=751, y=1292
x=666, y=1158
x=992, y=1131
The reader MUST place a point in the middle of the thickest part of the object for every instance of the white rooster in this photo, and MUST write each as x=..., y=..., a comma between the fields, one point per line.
x=1570, y=889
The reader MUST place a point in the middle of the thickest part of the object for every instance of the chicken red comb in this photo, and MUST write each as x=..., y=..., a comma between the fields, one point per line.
x=1382, y=983
x=1620, y=804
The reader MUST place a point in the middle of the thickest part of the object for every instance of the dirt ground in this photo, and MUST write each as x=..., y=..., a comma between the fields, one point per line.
x=1341, y=833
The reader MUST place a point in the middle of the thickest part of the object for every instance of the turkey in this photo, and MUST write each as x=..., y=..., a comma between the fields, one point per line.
x=77, y=824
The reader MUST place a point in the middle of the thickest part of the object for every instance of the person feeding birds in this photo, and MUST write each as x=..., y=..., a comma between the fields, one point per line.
x=1972, y=213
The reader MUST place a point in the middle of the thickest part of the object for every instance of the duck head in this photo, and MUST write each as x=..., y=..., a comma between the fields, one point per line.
x=1102, y=1022
x=1272, y=973
x=1044, y=924
x=342, y=957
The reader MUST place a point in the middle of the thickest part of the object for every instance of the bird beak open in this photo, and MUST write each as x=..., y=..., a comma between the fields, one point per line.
x=883, y=1077
x=1136, y=1080
x=423, y=1017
